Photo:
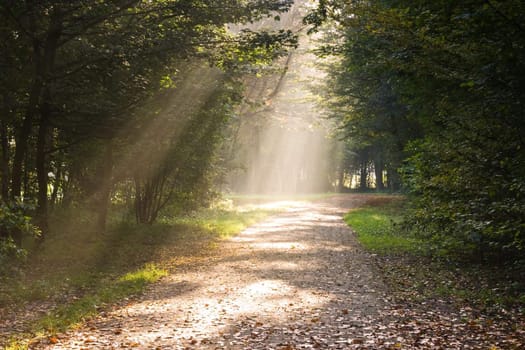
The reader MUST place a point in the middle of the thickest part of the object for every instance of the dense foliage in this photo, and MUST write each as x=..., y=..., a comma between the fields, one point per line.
x=436, y=89
x=121, y=101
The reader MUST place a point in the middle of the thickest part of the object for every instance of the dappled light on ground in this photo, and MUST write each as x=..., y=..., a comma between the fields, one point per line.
x=279, y=280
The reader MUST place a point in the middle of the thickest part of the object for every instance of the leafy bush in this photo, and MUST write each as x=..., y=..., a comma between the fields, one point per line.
x=14, y=224
x=468, y=200
x=441, y=78
x=14, y=220
x=10, y=255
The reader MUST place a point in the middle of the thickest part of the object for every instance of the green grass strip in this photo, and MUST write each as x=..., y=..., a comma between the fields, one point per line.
x=70, y=315
x=223, y=223
x=375, y=229
x=73, y=314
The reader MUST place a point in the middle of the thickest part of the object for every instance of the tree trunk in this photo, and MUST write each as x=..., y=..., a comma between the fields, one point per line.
x=378, y=169
x=341, y=180
x=4, y=167
x=363, y=176
x=41, y=166
x=67, y=197
x=22, y=137
x=4, y=162
x=107, y=183
x=56, y=185
x=150, y=197
x=393, y=179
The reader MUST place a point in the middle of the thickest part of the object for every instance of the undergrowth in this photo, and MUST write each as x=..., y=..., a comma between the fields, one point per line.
x=77, y=311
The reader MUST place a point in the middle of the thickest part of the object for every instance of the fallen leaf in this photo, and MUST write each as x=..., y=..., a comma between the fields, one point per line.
x=53, y=340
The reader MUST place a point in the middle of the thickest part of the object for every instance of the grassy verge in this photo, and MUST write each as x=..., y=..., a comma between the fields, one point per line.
x=413, y=275
x=74, y=313
x=77, y=273
x=376, y=229
x=221, y=223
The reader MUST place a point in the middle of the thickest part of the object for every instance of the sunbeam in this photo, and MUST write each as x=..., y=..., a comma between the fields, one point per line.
x=286, y=145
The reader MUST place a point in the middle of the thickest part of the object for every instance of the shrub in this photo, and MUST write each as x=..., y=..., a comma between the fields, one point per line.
x=14, y=224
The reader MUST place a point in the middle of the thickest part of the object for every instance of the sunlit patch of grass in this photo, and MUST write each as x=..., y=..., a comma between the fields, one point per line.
x=79, y=309
x=375, y=228
x=222, y=223
x=17, y=345
x=73, y=313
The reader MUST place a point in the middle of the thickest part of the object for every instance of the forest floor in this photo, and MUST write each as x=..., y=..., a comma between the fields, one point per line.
x=298, y=280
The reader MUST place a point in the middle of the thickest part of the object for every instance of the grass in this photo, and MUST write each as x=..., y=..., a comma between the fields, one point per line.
x=84, y=271
x=376, y=229
x=222, y=223
x=74, y=313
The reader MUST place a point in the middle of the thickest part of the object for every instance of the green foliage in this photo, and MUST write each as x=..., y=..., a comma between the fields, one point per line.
x=439, y=85
x=14, y=218
x=416, y=276
x=14, y=225
x=360, y=95
x=10, y=256
x=99, y=97
x=467, y=208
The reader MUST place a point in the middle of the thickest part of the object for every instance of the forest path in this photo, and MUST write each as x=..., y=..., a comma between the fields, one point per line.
x=298, y=280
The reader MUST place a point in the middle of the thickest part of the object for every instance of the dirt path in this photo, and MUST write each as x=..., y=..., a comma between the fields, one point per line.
x=295, y=281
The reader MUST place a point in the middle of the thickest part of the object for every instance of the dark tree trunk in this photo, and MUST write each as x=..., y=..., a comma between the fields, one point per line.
x=41, y=166
x=56, y=185
x=341, y=180
x=394, y=181
x=21, y=138
x=4, y=165
x=150, y=197
x=67, y=197
x=378, y=169
x=26, y=181
x=363, y=178
x=107, y=184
